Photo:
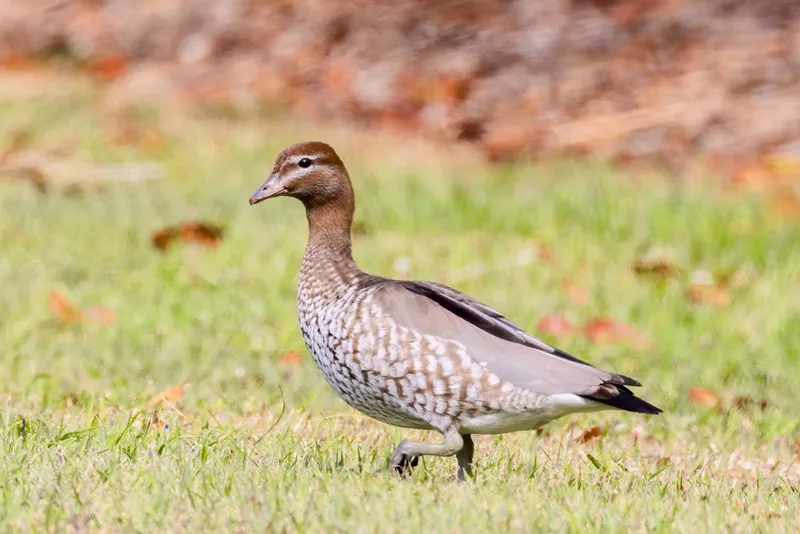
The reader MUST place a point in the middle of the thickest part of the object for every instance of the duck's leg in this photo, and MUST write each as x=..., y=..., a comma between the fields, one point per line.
x=464, y=457
x=406, y=455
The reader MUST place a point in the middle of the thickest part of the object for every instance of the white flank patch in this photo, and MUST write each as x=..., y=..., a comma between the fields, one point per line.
x=559, y=405
x=567, y=403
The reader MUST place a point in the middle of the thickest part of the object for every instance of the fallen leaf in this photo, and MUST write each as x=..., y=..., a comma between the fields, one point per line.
x=575, y=292
x=69, y=313
x=200, y=233
x=554, y=325
x=742, y=402
x=108, y=67
x=604, y=330
x=591, y=435
x=711, y=295
x=170, y=396
x=291, y=357
x=655, y=264
x=65, y=310
x=704, y=397
x=544, y=252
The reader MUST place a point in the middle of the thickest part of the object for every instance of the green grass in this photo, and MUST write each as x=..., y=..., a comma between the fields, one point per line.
x=260, y=445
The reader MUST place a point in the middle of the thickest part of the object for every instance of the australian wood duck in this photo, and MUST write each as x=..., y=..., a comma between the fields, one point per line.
x=420, y=354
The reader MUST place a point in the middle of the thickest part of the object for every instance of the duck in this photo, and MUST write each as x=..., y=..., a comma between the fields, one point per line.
x=418, y=354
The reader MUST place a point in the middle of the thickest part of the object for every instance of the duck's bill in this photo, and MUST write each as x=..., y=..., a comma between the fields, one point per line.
x=271, y=188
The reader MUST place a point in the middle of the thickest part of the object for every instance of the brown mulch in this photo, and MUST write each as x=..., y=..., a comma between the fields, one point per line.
x=663, y=80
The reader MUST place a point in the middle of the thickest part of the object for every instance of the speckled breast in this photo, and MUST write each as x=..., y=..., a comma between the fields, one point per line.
x=330, y=327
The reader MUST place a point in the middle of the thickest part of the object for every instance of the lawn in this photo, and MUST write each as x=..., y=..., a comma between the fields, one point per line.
x=177, y=395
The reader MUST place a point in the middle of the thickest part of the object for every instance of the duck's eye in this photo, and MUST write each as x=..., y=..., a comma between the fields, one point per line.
x=304, y=163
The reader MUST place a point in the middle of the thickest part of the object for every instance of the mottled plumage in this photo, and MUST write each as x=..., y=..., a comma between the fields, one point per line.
x=419, y=354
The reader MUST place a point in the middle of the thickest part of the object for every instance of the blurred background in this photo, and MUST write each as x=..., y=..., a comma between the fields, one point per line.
x=665, y=80
x=619, y=177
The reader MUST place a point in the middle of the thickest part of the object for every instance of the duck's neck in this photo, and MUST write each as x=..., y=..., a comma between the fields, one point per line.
x=329, y=235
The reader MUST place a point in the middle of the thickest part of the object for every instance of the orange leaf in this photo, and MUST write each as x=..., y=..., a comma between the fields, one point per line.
x=108, y=67
x=592, y=435
x=575, y=292
x=604, y=330
x=704, y=397
x=291, y=357
x=199, y=233
x=544, y=252
x=68, y=312
x=171, y=396
x=711, y=295
x=63, y=308
x=554, y=325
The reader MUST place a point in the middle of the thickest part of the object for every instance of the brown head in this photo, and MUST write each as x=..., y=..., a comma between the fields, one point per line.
x=312, y=173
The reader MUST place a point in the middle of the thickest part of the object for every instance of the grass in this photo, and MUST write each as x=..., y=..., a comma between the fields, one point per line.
x=257, y=443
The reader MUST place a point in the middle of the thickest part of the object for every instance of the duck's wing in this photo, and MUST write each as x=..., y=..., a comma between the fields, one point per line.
x=505, y=348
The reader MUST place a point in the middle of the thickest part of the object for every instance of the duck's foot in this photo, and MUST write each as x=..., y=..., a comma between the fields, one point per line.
x=406, y=456
x=404, y=464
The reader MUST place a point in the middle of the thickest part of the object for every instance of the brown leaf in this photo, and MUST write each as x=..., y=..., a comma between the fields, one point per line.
x=554, y=325
x=742, y=402
x=591, y=435
x=704, y=397
x=660, y=267
x=605, y=330
x=575, y=292
x=200, y=233
x=170, y=396
x=65, y=310
x=797, y=447
x=711, y=295
x=544, y=253
x=108, y=67
x=291, y=357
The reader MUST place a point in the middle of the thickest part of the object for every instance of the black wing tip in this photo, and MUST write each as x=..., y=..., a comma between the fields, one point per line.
x=628, y=402
x=626, y=381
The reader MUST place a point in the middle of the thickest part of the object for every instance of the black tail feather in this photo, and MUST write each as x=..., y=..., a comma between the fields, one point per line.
x=627, y=401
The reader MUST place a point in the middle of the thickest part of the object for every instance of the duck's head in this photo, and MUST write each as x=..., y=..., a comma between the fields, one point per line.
x=310, y=172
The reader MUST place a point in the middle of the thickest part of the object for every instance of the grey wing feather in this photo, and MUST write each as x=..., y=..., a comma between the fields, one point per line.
x=507, y=350
x=494, y=322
